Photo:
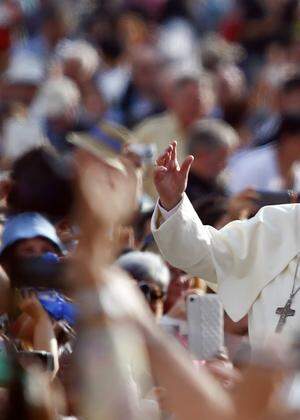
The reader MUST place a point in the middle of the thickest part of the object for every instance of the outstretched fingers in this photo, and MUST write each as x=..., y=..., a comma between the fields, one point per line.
x=186, y=166
x=164, y=159
x=173, y=162
x=161, y=160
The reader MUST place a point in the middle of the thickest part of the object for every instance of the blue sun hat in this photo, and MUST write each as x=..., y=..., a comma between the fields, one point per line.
x=28, y=226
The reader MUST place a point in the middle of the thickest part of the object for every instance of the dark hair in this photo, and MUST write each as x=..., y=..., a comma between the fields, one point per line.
x=289, y=125
x=291, y=83
x=41, y=182
x=210, y=209
x=146, y=267
x=112, y=47
x=236, y=111
x=211, y=134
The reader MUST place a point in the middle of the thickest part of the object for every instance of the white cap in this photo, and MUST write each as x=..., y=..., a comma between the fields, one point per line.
x=56, y=96
x=25, y=68
x=79, y=50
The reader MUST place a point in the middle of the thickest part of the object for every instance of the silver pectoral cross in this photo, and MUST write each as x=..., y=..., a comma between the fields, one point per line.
x=284, y=313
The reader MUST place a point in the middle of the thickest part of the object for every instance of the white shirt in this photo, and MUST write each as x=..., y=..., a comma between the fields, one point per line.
x=253, y=261
x=20, y=135
x=258, y=169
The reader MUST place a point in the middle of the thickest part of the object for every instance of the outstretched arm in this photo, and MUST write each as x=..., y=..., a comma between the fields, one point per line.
x=243, y=257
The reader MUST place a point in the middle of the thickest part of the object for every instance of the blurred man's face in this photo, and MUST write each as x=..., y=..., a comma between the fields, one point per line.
x=145, y=72
x=35, y=247
x=209, y=164
x=74, y=69
x=230, y=85
x=188, y=104
x=191, y=102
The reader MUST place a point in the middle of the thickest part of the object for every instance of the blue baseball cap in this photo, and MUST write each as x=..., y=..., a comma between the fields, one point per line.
x=28, y=226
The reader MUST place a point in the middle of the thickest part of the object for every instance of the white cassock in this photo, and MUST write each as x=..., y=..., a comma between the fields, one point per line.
x=252, y=261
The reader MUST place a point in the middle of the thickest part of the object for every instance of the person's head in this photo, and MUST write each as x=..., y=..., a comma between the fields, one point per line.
x=289, y=95
x=103, y=30
x=147, y=64
x=27, y=235
x=289, y=137
x=58, y=102
x=41, y=181
x=151, y=274
x=192, y=98
x=216, y=52
x=79, y=60
x=211, y=142
x=230, y=85
x=57, y=21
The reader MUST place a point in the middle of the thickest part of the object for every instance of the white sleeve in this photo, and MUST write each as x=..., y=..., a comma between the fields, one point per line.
x=242, y=258
x=166, y=214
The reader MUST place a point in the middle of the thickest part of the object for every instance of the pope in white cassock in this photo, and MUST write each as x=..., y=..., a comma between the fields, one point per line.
x=254, y=262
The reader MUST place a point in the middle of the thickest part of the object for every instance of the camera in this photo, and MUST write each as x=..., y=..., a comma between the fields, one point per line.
x=267, y=198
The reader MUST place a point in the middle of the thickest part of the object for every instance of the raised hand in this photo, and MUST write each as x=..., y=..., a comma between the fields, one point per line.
x=170, y=178
x=30, y=304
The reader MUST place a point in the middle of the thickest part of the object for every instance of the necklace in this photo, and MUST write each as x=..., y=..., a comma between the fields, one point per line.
x=286, y=310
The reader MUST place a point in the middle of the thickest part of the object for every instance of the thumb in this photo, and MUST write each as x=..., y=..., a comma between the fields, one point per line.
x=186, y=166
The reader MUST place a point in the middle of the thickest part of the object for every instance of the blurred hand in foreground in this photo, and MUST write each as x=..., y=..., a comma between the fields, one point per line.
x=108, y=191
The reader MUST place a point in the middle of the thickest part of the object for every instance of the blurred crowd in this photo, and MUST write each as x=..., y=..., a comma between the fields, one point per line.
x=93, y=321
